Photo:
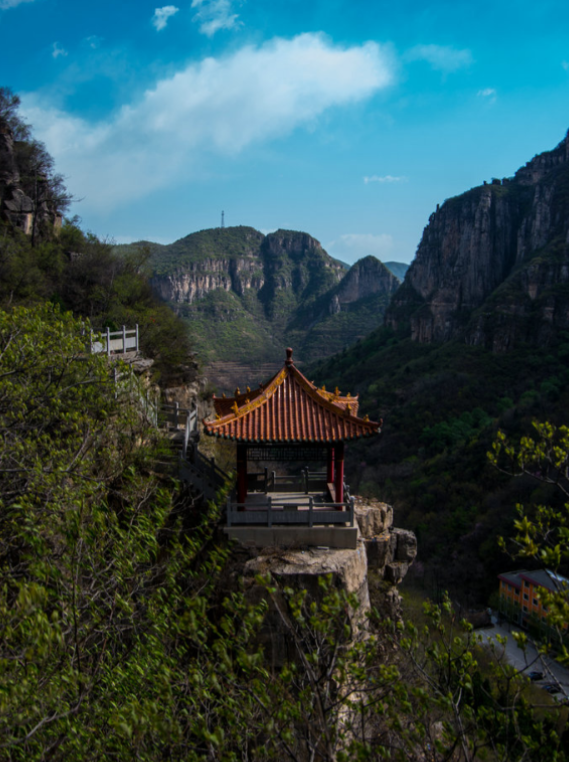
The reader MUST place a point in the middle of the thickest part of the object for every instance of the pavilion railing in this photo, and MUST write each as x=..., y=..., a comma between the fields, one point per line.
x=272, y=512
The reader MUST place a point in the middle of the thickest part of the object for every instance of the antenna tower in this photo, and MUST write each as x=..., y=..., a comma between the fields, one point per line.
x=223, y=219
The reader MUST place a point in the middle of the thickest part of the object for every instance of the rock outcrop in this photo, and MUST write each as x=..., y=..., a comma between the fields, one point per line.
x=367, y=277
x=26, y=203
x=282, y=261
x=491, y=262
x=371, y=571
x=246, y=295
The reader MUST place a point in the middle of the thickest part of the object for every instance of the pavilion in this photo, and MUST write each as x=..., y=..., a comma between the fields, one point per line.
x=288, y=420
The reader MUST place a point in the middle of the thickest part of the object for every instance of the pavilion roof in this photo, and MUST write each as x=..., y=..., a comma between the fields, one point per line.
x=288, y=408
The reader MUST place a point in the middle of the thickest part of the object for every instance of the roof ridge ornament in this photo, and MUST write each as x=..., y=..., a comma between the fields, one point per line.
x=289, y=360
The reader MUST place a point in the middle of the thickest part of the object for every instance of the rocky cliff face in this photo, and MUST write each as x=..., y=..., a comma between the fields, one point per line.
x=196, y=279
x=245, y=295
x=371, y=572
x=26, y=203
x=366, y=278
x=282, y=261
x=491, y=262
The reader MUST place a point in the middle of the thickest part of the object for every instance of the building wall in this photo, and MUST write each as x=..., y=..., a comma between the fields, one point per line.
x=524, y=597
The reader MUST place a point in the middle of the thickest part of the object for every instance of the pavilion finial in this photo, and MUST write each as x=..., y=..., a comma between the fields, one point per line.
x=289, y=356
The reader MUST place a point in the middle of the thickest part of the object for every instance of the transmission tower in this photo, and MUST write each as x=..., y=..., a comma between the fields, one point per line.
x=223, y=219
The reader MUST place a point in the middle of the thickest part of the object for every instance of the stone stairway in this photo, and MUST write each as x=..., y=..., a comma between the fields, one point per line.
x=198, y=479
x=181, y=426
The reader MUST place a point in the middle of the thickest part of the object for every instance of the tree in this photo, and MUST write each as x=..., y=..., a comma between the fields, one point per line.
x=542, y=531
x=38, y=179
x=112, y=642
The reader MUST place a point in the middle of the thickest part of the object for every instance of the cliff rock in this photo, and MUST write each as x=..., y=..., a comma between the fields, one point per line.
x=245, y=295
x=360, y=572
x=27, y=201
x=491, y=262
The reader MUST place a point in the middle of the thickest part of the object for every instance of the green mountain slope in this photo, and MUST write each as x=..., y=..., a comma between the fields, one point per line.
x=477, y=340
x=245, y=296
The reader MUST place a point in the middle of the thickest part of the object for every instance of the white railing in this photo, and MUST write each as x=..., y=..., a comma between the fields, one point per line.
x=112, y=342
x=270, y=512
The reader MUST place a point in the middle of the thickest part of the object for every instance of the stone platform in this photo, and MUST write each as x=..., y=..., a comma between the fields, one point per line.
x=345, y=538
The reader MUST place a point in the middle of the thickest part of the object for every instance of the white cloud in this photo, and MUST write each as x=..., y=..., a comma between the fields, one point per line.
x=161, y=16
x=57, y=51
x=440, y=57
x=220, y=105
x=5, y=4
x=384, y=179
x=94, y=41
x=489, y=94
x=214, y=15
x=354, y=246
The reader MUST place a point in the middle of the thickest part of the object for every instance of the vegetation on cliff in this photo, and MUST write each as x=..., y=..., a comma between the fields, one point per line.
x=70, y=268
x=244, y=295
x=476, y=341
x=442, y=405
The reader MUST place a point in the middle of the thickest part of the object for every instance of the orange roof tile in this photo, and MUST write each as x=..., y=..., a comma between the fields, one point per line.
x=288, y=408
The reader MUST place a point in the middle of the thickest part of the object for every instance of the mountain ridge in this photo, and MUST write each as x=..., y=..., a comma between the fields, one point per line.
x=491, y=260
x=245, y=295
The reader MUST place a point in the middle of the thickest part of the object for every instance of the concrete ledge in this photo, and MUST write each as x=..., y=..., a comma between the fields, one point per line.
x=294, y=537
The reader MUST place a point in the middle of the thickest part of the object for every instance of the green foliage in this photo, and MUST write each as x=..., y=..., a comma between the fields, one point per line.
x=118, y=638
x=108, y=647
x=430, y=462
x=542, y=531
x=80, y=273
x=274, y=291
x=456, y=431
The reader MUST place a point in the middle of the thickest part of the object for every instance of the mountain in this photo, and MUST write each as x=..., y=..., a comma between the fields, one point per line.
x=345, y=313
x=475, y=340
x=399, y=269
x=493, y=264
x=245, y=296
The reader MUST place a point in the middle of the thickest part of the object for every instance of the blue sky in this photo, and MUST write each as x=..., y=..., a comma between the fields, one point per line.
x=349, y=120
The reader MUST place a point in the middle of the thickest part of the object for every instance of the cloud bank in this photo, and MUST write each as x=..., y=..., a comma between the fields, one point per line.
x=219, y=105
x=57, y=50
x=161, y=16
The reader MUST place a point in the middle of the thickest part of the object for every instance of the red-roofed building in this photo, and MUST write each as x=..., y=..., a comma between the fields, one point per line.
x=289, y=419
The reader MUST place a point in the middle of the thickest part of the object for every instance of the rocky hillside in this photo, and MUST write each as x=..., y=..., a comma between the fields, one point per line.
x=491, y=274
x=345, y=313
x=31, y=196
x=493, y=264
x=245, y=295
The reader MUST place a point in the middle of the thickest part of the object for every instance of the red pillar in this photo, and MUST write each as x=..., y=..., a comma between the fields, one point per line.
x=330, y=471
x=339, y=481
x=241, y=473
